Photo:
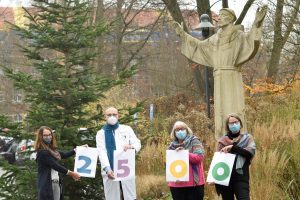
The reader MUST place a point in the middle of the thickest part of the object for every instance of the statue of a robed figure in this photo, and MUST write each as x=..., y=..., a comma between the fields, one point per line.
x=225, y=52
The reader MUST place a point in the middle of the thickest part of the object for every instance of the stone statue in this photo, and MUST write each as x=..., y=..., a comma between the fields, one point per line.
x=225, y=52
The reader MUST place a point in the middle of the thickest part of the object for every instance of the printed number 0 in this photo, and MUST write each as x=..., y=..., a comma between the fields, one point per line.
x=87, y=163
x=122, y=166
x=182, y=172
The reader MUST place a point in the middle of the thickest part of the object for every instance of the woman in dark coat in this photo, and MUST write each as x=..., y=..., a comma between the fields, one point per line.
x=48, y=166
x=242, y=145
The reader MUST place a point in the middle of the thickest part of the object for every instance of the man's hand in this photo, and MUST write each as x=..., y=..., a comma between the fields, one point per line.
x=128, y=146
x=110, y=174
x=260, y=15
x=226, y=149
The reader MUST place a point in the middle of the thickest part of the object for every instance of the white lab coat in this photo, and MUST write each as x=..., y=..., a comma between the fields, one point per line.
x=124, y=135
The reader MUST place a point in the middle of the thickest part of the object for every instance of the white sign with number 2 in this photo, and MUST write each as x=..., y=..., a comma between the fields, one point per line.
x=124, y=165
x=86, y=161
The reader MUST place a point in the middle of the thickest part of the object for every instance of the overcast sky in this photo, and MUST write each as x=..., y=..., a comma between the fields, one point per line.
x=236, y=5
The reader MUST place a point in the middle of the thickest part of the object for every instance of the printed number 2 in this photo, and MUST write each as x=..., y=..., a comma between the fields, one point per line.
x=122, y=166
x=87, y=163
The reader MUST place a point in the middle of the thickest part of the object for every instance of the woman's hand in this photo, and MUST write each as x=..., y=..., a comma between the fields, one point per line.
x=226, y=149
x=4, y=130
x=179, y=148
x=74, y=175
x=85, y=145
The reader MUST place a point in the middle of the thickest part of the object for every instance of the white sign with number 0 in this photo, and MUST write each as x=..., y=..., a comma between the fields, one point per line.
x=124, y=165
x=220, y=168
x=177, y=165
x=86, y=161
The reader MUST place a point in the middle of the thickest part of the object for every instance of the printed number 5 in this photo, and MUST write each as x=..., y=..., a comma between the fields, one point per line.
x=122, y=166
x=87, y=163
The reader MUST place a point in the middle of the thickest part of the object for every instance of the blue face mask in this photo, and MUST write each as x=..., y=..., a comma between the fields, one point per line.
x=47, y=140
x=181, y=134
x=234, y=128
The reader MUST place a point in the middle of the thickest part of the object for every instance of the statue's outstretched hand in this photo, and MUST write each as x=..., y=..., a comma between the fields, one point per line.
x=260, y=15
x=178, y=28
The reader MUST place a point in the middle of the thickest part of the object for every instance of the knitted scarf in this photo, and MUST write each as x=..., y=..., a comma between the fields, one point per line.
x=54, y=153
x=110, y=143
x=193, y=144
x=244, y=141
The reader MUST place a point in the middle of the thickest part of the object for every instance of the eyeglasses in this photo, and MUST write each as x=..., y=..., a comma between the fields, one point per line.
x=235, y=122
x=49, y=135
x=113, y=114
x=179, y=129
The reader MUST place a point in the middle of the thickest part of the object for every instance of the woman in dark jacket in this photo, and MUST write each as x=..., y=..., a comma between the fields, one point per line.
x=48, y=166
x=243, y=146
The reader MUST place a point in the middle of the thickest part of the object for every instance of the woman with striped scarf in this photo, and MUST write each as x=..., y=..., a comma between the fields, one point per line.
x=193, y=189
x=242, y=144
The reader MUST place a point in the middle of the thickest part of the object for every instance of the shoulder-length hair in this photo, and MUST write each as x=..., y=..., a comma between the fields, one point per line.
x=40, y=144
x=181, y=124
x=227, y=121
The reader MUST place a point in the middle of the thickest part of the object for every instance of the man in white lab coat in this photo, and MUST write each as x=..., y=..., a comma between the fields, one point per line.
x=115, y=136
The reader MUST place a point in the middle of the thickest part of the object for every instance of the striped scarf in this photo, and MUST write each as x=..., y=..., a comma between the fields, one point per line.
x=193, y=144
x=244, y=141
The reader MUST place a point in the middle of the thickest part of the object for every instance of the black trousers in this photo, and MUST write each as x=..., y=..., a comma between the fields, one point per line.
x=239, y=189
x=187, y=193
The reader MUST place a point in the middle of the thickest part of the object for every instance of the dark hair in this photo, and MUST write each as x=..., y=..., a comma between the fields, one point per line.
x=227, y=121
x=39, y=143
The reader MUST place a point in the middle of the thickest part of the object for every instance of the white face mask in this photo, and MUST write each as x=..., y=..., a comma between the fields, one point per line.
x=112, y=120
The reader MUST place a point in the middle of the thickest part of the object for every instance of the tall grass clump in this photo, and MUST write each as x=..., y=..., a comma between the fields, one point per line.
x=274, y=167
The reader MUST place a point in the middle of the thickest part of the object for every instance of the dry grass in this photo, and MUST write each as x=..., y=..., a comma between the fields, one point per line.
x=267, y=168
x=278, y=132
x=151, y=159
x=266, y=171
x=151, y=187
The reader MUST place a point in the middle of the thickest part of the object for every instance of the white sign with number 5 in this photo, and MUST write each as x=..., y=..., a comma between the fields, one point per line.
x=124, y=165
x=86, y=161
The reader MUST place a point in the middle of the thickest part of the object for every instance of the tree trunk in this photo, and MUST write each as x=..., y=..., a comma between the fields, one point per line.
x=119, y=35
x=280, y=39
x=225, y=3
x=203, y=7
x=244, y=12
x=175, y=12
x=99, y=40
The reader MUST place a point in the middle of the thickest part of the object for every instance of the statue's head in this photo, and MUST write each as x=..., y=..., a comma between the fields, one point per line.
x=226, y=16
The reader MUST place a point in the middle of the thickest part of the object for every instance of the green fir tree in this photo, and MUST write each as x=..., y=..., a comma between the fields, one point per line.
x=59, y=43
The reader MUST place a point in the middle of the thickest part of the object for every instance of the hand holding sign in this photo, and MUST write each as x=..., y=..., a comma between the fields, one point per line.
x=221, y=168
x=86, y=161
x=124, y=165
x=177, y=165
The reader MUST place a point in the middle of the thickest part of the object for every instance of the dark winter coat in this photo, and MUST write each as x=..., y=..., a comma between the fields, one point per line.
x=46, y=162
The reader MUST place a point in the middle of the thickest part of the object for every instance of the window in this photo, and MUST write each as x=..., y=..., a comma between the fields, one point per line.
x=18, y=118
x=18, y=96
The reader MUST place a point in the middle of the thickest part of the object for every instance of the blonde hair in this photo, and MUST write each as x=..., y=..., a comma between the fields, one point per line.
x=181, y=124
x=39, y=143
